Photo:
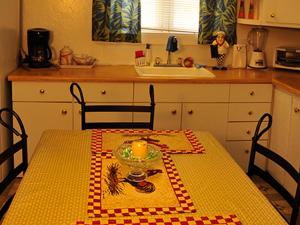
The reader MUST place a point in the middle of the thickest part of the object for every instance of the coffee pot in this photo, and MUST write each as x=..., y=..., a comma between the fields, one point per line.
x=39, y=52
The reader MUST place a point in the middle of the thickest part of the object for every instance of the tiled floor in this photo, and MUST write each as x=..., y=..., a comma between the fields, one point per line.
x=280, y=204
x=266, y=189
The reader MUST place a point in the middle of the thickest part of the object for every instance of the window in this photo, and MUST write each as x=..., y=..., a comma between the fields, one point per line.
x=170, y=15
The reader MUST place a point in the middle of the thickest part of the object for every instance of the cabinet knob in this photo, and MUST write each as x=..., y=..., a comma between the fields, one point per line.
x=248, y=132
x=272, y=15
x=247, y=151
x=252, y=93
x=190, y=112
x=250, y=113
x=174, y=112
x=103, y=92
x=80, y=111
x=64, y=112
x=42, y=91
x=296, y=110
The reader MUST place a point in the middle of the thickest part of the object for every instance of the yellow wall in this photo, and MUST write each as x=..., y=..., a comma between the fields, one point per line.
x=70, y=23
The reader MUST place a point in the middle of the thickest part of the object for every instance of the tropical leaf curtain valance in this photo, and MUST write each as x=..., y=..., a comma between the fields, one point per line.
x=217, y=15
x=116, y=20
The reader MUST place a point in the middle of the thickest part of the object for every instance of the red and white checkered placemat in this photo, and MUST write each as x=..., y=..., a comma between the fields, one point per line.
x=164, y=140
x=189, y=220
x=95, y=199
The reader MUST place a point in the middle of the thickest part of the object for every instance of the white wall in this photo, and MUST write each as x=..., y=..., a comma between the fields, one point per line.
x=9, y=45
x=70, y=23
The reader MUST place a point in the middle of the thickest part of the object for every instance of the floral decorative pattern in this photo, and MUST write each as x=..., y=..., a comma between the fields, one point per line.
x=217, y=15
x=116, y=20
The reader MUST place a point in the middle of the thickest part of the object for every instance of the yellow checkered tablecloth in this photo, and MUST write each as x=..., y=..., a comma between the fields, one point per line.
x=55, y=188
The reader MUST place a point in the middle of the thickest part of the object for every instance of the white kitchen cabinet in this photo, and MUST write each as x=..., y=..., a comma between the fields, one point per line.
x=248, y=102
x=210, y=117
x=240, y=151
x=274, y=13
x=166, y=116
x=108, y=94
x=188, y=106
x=285, y=133
x=39, y=116
x=281, y=13
x=41, y=106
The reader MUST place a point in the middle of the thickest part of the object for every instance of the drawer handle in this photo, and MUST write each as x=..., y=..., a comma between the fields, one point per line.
x=42, y=91
x=296, y=110
x=103, y=92
x=248, y=132
x=190, y=112
x=64, y=112
x=250, y=113
x=252, y=93
x=247, y=151
x=80, y=111
x=174, y=112
x=272, y=15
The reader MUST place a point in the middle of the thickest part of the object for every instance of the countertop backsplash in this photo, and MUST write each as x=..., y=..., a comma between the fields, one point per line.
x=70, y=24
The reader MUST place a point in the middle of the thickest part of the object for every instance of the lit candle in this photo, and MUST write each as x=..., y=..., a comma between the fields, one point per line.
x=139, y=149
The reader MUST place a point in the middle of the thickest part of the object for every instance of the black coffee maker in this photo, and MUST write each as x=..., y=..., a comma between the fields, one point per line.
x=39, y=52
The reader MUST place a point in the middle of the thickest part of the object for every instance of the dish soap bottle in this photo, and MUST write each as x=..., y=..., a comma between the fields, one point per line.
x=148, y=55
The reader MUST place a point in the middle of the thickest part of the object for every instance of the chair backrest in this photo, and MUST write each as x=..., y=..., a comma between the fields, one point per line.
x=92, y=108
x=292, y=199
x=6, y=156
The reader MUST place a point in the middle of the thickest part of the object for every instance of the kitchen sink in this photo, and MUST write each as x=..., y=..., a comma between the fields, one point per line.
x=150, y=71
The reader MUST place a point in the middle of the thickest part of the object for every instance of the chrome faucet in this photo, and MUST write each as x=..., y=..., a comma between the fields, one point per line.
x=172, y=46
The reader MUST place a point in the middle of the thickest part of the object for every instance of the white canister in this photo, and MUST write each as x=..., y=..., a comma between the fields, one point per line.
x=239, y=56
x=66, y=55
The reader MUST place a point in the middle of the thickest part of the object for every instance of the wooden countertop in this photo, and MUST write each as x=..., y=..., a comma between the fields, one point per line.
x=289, y=80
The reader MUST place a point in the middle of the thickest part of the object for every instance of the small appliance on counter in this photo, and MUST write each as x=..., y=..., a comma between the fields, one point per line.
x=287, y=58
x=256, y=39
x=239, y=56
x=39, y=52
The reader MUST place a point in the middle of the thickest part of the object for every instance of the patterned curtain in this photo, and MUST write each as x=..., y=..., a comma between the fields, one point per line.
x=217, y=15
x=116, y=20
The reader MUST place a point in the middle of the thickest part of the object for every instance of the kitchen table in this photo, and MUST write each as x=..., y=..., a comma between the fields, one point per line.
x=64, y=184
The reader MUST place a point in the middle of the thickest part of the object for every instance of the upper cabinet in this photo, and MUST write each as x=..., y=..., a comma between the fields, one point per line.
x=269, y=13
x=281, y=13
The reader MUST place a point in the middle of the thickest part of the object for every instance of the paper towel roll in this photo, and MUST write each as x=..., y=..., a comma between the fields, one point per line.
x=239, y=56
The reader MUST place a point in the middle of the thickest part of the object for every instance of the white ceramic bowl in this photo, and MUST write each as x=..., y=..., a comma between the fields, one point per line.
x=83, y=59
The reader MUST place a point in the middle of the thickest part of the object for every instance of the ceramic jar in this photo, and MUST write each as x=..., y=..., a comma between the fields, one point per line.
x=66, y=55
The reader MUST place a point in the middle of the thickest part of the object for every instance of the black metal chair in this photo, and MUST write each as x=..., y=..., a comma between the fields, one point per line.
x=92, y=108
x=6, y=156
x=293, y=200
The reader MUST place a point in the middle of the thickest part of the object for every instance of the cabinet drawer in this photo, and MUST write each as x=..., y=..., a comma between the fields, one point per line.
x=108, y=92
x=41, y=91
x=183, y=92
x=240, y=152
x=251, y=93
x=247, y=111
x=243, y=130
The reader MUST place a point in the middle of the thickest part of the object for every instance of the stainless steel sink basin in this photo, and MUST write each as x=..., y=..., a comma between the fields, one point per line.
x=150, y=71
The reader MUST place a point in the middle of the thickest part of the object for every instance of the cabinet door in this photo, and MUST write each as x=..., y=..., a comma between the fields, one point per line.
x=280, y=129
x=240, y=151
x=38, y=117
x=166, y=116
x=210, y=117
x=282, y=13
x=293, y=153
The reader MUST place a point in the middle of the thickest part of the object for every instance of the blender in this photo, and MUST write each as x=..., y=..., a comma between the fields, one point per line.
x=256, y=39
